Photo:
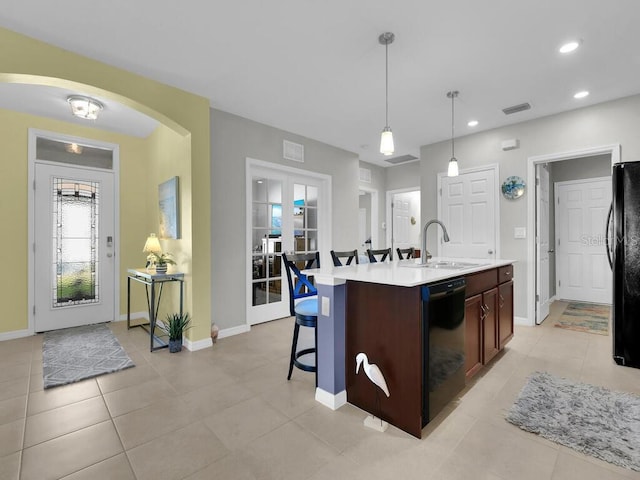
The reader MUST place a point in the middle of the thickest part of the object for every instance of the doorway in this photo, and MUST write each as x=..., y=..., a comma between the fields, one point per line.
x=73, y=215
x=577, y=164
x=403, y=219
x=288, y=211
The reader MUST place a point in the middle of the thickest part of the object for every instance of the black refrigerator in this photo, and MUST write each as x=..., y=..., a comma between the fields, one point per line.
x=623, y=249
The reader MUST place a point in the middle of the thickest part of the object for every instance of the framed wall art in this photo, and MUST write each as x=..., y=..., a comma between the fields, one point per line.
x=168, y=198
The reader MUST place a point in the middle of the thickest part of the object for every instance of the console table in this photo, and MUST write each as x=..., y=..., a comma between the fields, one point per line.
x=151, y=281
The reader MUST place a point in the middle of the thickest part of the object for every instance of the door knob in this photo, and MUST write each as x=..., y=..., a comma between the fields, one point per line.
x=109, y=255
x=490, y=252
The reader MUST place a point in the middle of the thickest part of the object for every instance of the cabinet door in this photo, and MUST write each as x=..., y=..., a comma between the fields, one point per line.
x=505, y=313
x=473, y=335
x=490, y=324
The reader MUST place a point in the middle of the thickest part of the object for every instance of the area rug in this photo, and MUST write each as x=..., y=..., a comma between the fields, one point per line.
x=592, y=420
x=73, y=354
x=585, y=317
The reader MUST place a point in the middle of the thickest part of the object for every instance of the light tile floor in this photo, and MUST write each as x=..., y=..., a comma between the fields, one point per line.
x=228, y=412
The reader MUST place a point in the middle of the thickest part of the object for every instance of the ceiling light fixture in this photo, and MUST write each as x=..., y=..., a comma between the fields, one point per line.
x=582, y=94
x=473, y=123
x=452, y=171
x=386, y=138
x=569, y=47
x=85, y=107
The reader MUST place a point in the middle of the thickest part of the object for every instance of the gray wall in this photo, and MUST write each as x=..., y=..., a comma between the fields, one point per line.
x=612, y=122
x=233, y=139
x=596, y=166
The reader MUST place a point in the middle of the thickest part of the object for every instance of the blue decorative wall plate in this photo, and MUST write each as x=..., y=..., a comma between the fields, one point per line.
x=513, y=187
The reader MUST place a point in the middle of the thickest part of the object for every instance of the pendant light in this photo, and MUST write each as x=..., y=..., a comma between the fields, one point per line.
x=386, y=139
x=452, y=171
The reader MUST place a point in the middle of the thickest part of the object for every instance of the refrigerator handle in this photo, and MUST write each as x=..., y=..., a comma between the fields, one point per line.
x=606, y=237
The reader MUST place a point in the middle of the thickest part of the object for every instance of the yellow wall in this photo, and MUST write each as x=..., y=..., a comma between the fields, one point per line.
x=23, y=59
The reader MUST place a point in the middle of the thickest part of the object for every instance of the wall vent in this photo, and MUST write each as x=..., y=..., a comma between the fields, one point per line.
x=516, y=108
x=292, y=151
x=401, y=159
x=365, y=175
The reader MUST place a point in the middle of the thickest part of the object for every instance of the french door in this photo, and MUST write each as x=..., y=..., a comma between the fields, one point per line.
x=286, y=210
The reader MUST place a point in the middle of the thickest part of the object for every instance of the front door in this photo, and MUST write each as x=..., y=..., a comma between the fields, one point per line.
x=74, y=262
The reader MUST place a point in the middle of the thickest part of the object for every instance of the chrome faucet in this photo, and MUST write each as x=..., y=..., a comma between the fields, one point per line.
x=424, y=254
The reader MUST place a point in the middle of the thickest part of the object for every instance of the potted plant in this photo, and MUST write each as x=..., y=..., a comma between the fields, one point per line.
x=174, y=326
x=161, y=260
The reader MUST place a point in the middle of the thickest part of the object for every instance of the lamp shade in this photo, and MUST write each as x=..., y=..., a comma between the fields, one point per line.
x=152, y=245
x=386, y=142
x=452, y=171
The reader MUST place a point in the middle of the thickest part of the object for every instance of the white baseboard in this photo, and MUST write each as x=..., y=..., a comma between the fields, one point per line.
x=522, y=321
x=134, y=316
x=15, y=334
x=334, y=402
x=198, y=344
x=229, y=332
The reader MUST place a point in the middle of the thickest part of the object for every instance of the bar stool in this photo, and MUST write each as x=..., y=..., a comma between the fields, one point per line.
x=409, y=252
x=384, y=253
x=350, y=256
x=305, y=311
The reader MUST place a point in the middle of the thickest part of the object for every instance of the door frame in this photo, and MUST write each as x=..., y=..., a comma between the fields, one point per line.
x=33, y=135
x=389, y=216
x=375, y=216
x=324, y=221
x=611, y=149
x=496, y=173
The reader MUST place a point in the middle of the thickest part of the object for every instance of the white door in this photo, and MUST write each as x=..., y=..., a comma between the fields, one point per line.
x=286, y=210
x=583, y=272
x=74, y=259
x=542, y=244
x=467, y=207
x=400, y=218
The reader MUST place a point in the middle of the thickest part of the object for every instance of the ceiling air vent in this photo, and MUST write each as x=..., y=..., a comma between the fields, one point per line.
x=401, y=159
x=292, y=151
x=516, y=108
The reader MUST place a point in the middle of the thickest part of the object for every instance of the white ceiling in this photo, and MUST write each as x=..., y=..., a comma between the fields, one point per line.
x=316, y=68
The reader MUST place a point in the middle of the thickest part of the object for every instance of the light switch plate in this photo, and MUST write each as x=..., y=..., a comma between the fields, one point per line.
x=520, y=232
x=326, y=304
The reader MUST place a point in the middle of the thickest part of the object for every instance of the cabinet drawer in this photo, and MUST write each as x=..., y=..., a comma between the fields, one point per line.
x=505, y=273
x=481, y=281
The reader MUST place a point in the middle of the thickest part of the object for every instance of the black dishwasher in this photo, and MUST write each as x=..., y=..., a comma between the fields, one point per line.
x=442, y=345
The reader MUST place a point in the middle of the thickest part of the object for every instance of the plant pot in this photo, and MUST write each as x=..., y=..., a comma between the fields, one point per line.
x=162, y=269
x=175, y=346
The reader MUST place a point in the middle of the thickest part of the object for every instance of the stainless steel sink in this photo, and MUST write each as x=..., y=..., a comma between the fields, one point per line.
x=445, y=265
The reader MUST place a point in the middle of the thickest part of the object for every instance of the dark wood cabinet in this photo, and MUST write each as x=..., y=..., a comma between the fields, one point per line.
x=505, y=313
x=473, y=334
x=488, y=316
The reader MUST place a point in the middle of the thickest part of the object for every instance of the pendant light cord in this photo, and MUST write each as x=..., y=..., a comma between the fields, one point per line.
x=386, y=84
x=453, y=151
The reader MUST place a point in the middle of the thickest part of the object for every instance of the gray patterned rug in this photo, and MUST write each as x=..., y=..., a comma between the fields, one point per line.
x=73, y=354
x=592, y=420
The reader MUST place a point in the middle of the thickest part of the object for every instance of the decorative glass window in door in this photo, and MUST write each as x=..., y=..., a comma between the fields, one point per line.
x=266, y=255
x=75, y=242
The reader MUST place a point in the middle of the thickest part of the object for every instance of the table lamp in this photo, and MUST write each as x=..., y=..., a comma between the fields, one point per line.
x=152, y=246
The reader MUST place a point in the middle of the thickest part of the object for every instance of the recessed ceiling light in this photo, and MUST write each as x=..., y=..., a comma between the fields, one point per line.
x=473, y=123
x=569, y=47
x=581, y=94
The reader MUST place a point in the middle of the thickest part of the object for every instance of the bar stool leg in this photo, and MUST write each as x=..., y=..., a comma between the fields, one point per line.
x=294, y=344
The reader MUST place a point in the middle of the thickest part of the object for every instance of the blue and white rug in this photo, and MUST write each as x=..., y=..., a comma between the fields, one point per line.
x=73, y=354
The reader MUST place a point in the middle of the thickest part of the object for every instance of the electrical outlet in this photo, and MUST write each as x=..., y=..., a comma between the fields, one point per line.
x=326, y=304
x=520, y=232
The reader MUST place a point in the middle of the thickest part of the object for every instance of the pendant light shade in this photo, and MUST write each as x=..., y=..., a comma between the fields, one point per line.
x=386, y=138
x=452, y=171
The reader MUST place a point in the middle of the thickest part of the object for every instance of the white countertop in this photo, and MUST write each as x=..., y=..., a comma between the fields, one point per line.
x=402, y=273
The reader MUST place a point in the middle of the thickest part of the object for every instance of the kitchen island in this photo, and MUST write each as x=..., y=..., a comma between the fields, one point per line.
x=378, y=309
